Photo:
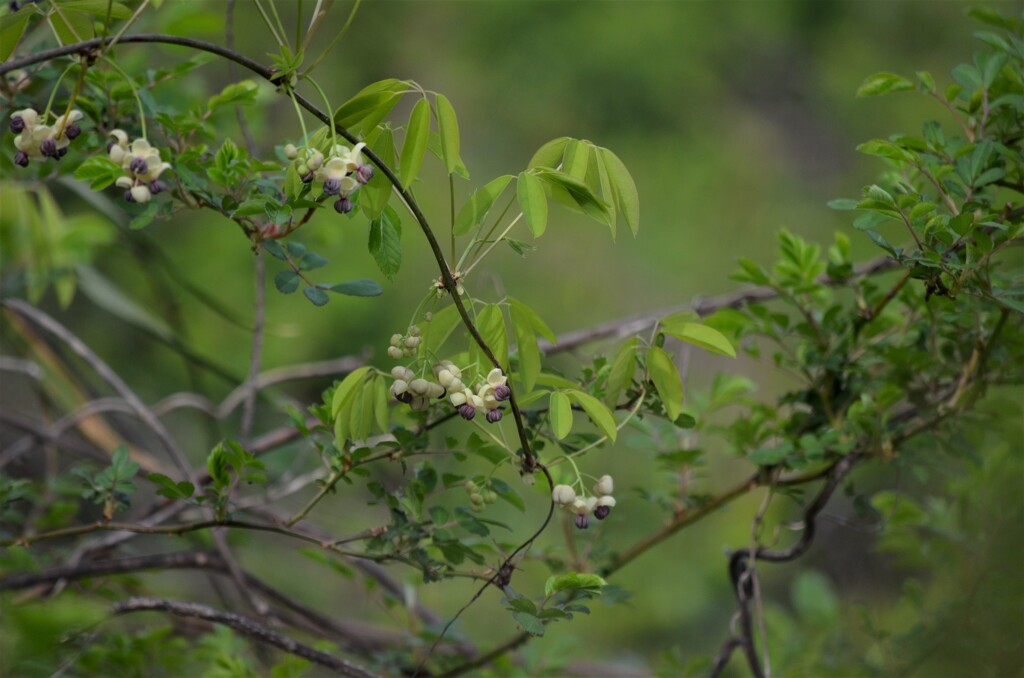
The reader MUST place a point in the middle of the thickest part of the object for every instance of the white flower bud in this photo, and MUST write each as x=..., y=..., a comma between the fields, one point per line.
x=395, y=353
x=604, y=486
x=412, y=342
x=291, y=152
x=141, y=194
x=419, y=386
x=435, y=390
x=398, y=372
x=563, y=494
x=396, y=339
x=458, y=398
x=400, y=386
x=445, y=378
x=606, y=500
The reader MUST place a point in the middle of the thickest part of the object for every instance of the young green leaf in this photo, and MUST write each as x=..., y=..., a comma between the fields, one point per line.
x=476, y=208
x=449, y=128
x=438, y=329
x=573, y=581
x=536, y=322
x=370, y=105
x=883, y=83
x=526, y=342
x=533, y=202
x=621, y=374
x=530, y=624
x=491, y=323
x=577, y=158
x=703, y=336
x=598, y=413
x=385, y=242
x=550, y=154
x=380, y=404
x=415, y=146
x=358, y=288
x=666, y=380
x=560, y=413
x=375, y=195
x=346, y=389
x=625, y=188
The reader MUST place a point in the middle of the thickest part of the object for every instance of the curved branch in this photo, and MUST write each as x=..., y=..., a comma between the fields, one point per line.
x=243, y=625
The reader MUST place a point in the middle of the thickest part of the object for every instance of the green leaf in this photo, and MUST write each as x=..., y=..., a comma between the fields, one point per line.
x=598, y=413
x=530, y=624
x=573, y=581
x=71, y=26
x=550, y=154
x=370, y=105
x=703, y=336
x=574, y=193
x=526, y=342
x=666, y=380
x=286, y=281
x=380, y=404
x=843, y=204
x=99, y=171
x=316, y=295
x=376, y=194
x=577, y=159
x=358, y=288
x=533, y=202
x=239, y=93
x=625, y=189
x=250, y=207
x=435, y=332
x=385, y=243
x=311, y=261
x=448, y=125
x=97, y=8
x=346, y=389
x=491, y=324
x=476, y=208
x=769, y=456
x=621, y=373
x=12, y=27
x=560, y=413
x=883, y=83
x=536, y=322
x=415, y=146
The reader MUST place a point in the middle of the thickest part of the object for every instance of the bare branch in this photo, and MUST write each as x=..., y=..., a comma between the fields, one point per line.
x=243, y=625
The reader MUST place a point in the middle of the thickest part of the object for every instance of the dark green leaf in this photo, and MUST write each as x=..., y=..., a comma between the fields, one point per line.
x=358, y=288
x=316, y=295
x=385, y=242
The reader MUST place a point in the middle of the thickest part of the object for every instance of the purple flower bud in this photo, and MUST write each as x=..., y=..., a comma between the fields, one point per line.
x=467, y=411
x=307, y=178
x=157, y=187
x=493, y=416
x=502, y=392
x=364, y=174
x=17, y=124
x=343, y=206
x=21, y=159
x=332, y=186
x=61, y=152
x=128, y=197
x=138, y=166
x=404, y=397
x=48, y=148
x=72, y=131
x=601, y=512
x=581, y=521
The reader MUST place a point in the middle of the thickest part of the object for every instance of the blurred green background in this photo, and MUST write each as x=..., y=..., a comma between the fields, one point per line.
x=735, y=118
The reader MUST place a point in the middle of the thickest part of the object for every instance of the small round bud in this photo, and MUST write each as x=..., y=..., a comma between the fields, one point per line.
x=138, y=166
x=111, y=144
x=72, y=131
x=493, y=416
x=364, y=174
x=490, y=496
x=307, y=176
x=395, y=353
x=17, y=124
x=157, y=187
x=563, y=495
x=48, y=148
x=61, y=152
x=419, y=386
x=601, y=512
x=604, y=486
x=412, y=342
x=21, y=159
x=343, y=206
x=398, y=372
x=414, y=331
x=581, y=521
x=470, y=486
x=467, y=411
x=315, y=160
x=332, y=186
x=502, y=392
x=291, y=152
x=128, y=197
x=396, y=339
x=476, y=498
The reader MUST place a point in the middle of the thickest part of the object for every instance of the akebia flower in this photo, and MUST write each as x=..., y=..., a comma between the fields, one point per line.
x=342, y=173
x=38, y=140
x=563, y=495
x=141, y=164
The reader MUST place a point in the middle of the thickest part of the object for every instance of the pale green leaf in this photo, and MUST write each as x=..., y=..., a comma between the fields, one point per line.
x=415, y=146
x=703, y=336
x=560, y=413
x=625, y=189
x=448, y=125
x=538, y=324
x=598, y=413
x=666, y=380
x=550, y=154
x=577, y=158
x=476, y=208
x=621, y=373
x=526, y=341
x=346, y=389
x=533, y=202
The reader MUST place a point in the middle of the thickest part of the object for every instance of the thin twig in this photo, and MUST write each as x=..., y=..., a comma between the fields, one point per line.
x=251, y=386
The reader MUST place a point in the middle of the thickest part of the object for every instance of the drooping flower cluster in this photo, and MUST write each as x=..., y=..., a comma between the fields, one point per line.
x=342, y=171
x=600, y=503
x=404, y=346
x=416, y=392
x=488, y=394
x=36, y=139
x=141, y=164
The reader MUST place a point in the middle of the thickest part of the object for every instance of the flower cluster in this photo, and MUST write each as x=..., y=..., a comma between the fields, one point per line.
x=141, y=164
x=487, y=395
x=36, y=139
x=438, y=285
x=342, y=171
x=600, y=503
x=404, y=346
x=479, y=496
x=416, y=392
